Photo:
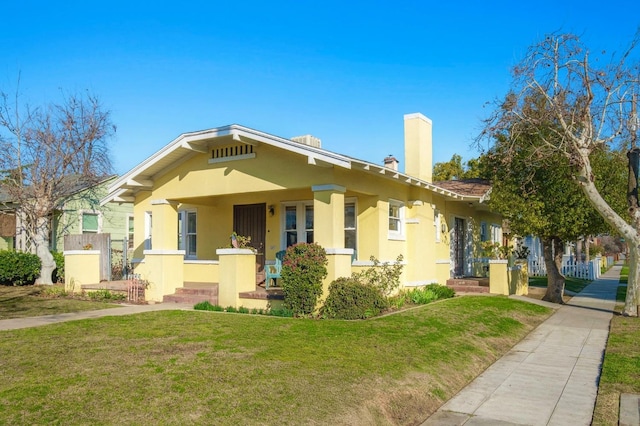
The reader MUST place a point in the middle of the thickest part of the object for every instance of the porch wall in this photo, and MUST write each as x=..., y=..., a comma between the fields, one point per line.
x=202, y=271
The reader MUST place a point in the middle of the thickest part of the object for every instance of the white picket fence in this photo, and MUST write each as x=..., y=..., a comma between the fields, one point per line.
x=570, y=268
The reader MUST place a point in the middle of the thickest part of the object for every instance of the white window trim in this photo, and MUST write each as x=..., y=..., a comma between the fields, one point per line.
x=183, y=231
x=496, y=233
x=354, y=201
x=90, y=211
x=437, y=221
x=148, y=223
x=128, y=216
x=300, y=219
x=399, y=234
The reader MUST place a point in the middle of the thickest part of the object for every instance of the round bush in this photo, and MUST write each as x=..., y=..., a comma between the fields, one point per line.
x=303, y=268
x=351, y=299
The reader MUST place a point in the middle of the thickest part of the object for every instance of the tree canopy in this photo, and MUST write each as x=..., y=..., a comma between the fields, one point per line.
x=50, y=152
x=579, y=108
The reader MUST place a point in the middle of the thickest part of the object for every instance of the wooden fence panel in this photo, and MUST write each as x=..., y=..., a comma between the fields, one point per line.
x=100, y=242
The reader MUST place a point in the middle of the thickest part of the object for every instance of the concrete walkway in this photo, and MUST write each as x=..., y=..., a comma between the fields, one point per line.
x=16, y=323
x=551, y=376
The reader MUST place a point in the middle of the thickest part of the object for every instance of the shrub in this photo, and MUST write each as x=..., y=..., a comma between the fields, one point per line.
x=207, y=306
x=384, y=276
x=104, y=294
x=280, y=312
x=58, y=273
x=429, y=293
x=303, y=268
x=351, y=299
x=17, y=268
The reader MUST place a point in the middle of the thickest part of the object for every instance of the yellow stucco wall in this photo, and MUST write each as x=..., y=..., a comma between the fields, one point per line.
x=81, y=267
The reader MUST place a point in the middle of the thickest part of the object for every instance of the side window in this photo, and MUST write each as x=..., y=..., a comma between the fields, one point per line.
x=350, y=231
x=484, y=233
x=396, y=219
x=187, y=233
x=129, y=231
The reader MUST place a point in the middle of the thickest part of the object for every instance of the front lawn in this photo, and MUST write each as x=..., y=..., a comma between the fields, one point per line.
x=575, y=285
x=28, y=301
x=189, y=367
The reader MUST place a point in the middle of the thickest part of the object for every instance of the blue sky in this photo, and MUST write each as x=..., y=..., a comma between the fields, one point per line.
x=345, y=72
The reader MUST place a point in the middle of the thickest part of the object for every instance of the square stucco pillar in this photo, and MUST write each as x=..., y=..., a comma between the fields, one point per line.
x=164, y=229
x=164, y=263
x=498, y=277
x=328, y=231
x=237, y=275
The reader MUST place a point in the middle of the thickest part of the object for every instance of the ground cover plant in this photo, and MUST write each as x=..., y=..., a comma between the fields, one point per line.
x=621, y=365
x=193, y=367
x=30, y=301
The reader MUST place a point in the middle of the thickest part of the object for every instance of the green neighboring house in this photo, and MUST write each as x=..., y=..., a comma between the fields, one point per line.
x=81, y=213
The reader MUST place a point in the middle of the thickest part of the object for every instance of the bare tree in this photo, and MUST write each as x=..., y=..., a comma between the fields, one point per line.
x=48, y=153
x=590, y=101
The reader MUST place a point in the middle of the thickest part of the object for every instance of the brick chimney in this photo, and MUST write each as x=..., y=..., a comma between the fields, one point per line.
x=391, y=162
x=418, y=155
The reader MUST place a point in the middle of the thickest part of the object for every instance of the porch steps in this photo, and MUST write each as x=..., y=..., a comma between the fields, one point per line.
x=193, y=293
x=469, y=285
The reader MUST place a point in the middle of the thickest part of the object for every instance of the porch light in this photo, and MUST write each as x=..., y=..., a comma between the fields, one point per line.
x=272, y=210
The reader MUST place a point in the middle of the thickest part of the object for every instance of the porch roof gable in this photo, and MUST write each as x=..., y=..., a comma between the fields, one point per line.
x=122, y=190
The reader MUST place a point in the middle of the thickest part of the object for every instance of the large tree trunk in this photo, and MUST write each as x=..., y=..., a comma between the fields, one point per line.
x=633, y=298
x=41, y=240
x=552, y=252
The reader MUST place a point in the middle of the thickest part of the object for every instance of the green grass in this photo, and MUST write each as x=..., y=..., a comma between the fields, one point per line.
x=188, y=367
x=27, y=301
x=620, y=369
x=624, y=274
x=575, y=285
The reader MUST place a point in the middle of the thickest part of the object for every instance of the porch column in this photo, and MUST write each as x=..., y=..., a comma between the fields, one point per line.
x=164, y=264
x=498, y=277
x=328, y=231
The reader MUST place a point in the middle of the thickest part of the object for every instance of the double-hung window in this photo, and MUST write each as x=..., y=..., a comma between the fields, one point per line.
x=396, y=220
x=350, y=224
x=187, y=233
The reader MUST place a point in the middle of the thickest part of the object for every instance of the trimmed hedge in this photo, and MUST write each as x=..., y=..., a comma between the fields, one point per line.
x=17, y=268
x=351, y=299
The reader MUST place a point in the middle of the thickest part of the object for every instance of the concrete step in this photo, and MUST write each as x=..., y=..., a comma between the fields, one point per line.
x=469, y=288
x=191, y=299
x=213, y=291
x=484, y=282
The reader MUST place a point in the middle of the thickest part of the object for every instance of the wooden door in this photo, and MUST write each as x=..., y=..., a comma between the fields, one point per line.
x=250, y=220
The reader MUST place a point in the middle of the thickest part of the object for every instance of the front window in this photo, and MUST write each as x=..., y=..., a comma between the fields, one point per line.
x=296, y=215
x=396, y=219
x=187, y=232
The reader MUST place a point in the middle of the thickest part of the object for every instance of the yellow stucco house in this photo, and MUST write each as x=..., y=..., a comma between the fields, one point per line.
x=191, y=195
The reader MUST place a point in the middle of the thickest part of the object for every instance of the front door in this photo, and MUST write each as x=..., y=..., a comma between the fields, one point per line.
x=250, y=220
x=458, y=247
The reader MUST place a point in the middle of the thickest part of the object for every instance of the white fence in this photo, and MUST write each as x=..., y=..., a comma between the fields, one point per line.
x=570, y=268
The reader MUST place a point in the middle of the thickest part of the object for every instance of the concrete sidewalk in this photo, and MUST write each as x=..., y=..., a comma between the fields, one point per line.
x=16, y=323
x=551, y=376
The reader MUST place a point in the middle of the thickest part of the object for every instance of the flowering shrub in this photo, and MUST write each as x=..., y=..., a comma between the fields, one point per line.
x=303, y=268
